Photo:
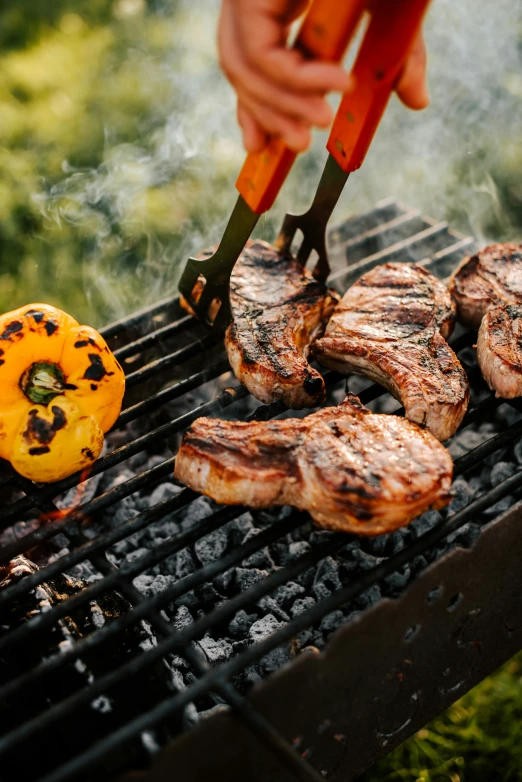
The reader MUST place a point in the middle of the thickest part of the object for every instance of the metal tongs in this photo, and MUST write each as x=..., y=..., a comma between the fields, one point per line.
x=326, y=32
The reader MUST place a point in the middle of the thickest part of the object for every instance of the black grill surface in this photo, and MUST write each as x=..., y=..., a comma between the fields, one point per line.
x=148, y=609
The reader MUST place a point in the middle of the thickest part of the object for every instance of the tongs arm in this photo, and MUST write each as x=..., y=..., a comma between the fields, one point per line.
x=324, y=35
x=389, y=39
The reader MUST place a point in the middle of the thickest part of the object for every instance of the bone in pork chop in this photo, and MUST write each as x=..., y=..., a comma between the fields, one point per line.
x=278, y=310
x=391, y=327
x=488, y=290
x=352, y=470
x=490, y=277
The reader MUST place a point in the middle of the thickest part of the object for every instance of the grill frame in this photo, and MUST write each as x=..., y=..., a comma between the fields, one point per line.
x=367, y=241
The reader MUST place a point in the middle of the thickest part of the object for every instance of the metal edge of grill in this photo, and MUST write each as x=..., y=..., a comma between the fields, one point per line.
x=389, y=232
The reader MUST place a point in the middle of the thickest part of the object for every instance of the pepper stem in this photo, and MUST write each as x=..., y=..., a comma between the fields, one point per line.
x=42, y=381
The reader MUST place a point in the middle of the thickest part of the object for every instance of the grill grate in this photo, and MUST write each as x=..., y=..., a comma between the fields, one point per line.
x=150, y=345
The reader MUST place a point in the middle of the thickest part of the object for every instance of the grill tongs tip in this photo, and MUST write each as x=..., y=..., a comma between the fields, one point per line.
x=326, y=32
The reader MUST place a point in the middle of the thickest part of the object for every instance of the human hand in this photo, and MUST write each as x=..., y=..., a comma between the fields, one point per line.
x=280, y=93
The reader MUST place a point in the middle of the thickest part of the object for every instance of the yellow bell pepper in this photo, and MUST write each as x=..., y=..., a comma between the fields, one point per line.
x=61, y=388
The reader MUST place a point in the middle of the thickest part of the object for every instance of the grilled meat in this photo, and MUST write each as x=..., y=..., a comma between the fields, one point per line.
x=278, y=310
x=488, y=290
x=499, y=349
x=391, y=327
x=491, y=276
x=352, y=470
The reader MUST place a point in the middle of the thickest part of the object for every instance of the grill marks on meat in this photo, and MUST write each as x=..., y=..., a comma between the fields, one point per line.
x=391, y=327
x=278, y=309
x=493, y=276
x=499, y=349
x=352, y=470
x=488, y=290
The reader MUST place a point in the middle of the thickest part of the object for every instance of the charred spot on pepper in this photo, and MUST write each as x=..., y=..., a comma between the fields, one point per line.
x=39, y=451
x=2, y=361
x=50, y=327
x=37, y=315
x=96, y=371
x=88, y=453
x=44, y=431
x=82, y=343
x=13, y=328
x=94, y=387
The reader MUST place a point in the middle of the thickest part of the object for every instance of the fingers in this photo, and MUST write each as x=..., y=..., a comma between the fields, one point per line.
x=311, y=108
x=278, y=92
x=412, y=88
x=295, y=134
x=254, y=137
x=287, y=68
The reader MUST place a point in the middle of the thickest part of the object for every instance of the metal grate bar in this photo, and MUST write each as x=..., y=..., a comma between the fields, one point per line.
x=301, y=622
x=177, y=642
x=354, y=271
x=435, y=246
x=255, y=593
x=172, y=392
x=463, y=464
x=140, y=319
x=183, y=354
x=151, y=340
x=259, y=726
x=157, y=601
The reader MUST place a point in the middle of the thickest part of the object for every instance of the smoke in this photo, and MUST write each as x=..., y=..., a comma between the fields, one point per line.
x=166, y=193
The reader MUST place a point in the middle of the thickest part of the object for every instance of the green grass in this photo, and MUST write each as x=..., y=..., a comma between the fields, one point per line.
x=478, y=739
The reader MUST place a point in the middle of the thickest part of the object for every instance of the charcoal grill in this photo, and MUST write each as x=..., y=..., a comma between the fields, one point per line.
x=387, y=669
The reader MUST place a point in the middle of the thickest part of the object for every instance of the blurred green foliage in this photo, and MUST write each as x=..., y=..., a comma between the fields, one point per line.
x=89, y=203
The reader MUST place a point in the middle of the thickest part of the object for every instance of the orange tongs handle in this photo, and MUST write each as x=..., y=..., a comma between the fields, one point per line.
x=325, y=34
x=393, y=28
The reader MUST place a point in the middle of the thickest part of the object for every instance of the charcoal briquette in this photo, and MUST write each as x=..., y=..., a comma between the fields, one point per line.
x=398, y=579
x=298, y=549
x=215, y=651
x=248, y=577
x=241, y=623
x=302, y=604
x=263, y=627
x=500, y=507
x=369, y=597
x=332, y=621
x=212, y=546
x=239, y=528
x=223, y=580
x=287, y=593
x=424, y=523
x=270, y=605
x=462, y=495
x=500, y=472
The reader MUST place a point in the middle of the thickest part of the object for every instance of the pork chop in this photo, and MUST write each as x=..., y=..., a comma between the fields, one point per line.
x=278, y=309
x=499, y=349
x=490, y=277
x=351, y=469
x=391, y=326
